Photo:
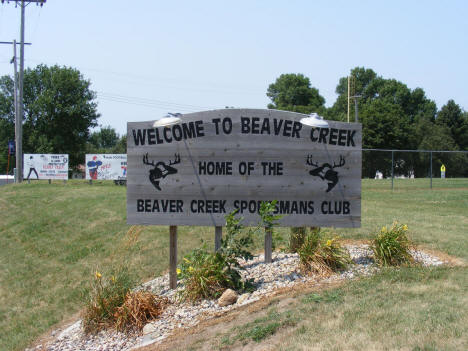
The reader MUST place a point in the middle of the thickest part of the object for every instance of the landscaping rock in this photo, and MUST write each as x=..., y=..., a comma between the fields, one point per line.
x=243, y=298
x=228, y=297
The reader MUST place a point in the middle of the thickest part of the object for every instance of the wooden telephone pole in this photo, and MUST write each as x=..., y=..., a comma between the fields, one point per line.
x=19, y=116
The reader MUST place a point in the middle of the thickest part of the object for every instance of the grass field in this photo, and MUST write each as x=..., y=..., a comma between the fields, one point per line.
x=53, y=238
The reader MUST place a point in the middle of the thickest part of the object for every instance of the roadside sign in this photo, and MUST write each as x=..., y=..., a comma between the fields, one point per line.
x=11, y=147
x=214, y=162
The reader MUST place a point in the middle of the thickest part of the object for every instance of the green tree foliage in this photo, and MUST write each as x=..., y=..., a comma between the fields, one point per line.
x=107, y=141
x=452, y=116
x=7, y=122
x=59, y=110
x=393, y=116
x=293, y=92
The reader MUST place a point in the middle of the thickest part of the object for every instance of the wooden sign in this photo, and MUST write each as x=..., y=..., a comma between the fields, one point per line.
x=211, y=163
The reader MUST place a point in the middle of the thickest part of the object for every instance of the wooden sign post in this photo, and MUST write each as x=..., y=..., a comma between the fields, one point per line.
x=218, y=236
x=211, y=163
x=173, y=256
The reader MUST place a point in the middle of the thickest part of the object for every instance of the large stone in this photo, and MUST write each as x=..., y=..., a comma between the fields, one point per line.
x=227, y=298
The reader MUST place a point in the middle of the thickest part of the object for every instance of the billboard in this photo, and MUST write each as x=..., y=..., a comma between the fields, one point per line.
x=211, y=163
x=106, y=166
x=45, y=166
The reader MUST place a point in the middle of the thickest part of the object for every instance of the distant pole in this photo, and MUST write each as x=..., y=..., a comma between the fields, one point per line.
x=431, y=168
x=19, y=121
x=15, y=95
x=392, y=167
x=356, y=111
x=348, y=95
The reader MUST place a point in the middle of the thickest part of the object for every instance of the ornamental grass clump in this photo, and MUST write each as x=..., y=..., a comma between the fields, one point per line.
x=322, y=253
x=392, y=247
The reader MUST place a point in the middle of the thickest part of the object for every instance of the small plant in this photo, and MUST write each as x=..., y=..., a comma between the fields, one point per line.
x=107, y=294
x=268, y=220
x=236, y=242
x=391, y=247
x=322, y=253
x=139, y=308
x=208, y=274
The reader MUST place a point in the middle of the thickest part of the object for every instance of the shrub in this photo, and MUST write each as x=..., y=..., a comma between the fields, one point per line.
x=208, y=274
x=139, y=308
x=323, y=254
x=391, y=247
x=107, y=294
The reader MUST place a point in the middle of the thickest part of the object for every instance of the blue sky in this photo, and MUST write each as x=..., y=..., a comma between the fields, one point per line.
x=146, y=58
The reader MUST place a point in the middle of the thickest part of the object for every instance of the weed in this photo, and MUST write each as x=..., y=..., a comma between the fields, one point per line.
x=260, y=332
x=391, y=247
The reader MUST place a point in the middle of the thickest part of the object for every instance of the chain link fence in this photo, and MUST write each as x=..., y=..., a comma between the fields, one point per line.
x=398, y=169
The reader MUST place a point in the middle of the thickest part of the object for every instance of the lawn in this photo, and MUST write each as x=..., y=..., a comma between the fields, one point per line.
x=54, y=237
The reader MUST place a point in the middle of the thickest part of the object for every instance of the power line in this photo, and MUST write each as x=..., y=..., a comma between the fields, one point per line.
x=152, y=102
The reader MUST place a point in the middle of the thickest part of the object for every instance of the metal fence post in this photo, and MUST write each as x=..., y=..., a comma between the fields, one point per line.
x=392, y=168
x=431, y=169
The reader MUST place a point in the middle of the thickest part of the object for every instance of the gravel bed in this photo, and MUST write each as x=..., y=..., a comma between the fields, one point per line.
x=282, y=272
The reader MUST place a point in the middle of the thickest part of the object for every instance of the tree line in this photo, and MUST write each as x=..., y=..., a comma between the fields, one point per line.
x=393, y=116
x=60, y=112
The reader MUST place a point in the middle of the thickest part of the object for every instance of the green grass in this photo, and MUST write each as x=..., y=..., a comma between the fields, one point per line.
x=53, y=238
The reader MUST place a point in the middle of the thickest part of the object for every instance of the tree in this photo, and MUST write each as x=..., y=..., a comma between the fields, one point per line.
x=293, y=92
x=107, y=141
x=452, y=116
x=104, y=139
x=59, y=109
x=7, y=120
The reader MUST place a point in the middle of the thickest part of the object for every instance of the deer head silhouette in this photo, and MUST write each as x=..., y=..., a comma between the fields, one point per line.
x=326, y=171
x=161, y=169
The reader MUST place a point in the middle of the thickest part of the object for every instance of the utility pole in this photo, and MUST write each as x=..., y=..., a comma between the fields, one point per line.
x=355, y=97
x=348, y=95
x=20, y=115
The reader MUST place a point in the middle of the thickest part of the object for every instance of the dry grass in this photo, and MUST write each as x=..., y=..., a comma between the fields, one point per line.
x=139, y=308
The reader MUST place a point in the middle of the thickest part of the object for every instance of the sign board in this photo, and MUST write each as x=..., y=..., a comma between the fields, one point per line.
x=11, y=147
x=211, y=163
x=45, y=166
x=106, y=166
